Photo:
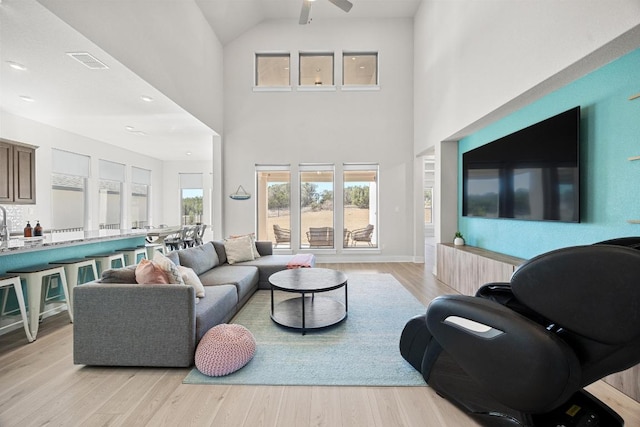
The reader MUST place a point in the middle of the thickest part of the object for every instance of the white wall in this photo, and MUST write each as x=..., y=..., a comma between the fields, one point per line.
x=333, y=127
x=46, y=137
x=474, y=58
x=167, y=43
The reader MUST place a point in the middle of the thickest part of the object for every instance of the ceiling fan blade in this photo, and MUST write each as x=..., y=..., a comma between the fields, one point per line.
x=304, y=13
x=345, y=5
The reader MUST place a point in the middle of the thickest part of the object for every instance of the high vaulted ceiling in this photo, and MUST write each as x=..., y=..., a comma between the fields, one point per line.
x=107, y=105
x=230, y=18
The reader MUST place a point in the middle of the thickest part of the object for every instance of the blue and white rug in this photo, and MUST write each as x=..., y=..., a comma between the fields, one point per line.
x=363, y=350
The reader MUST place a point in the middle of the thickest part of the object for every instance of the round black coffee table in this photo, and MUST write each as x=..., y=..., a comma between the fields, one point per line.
x=308, y=311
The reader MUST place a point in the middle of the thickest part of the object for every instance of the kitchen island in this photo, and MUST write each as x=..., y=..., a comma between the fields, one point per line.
x=29, y=257
x=24, y=252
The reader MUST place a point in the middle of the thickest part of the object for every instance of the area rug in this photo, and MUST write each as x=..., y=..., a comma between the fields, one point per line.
x=363, y=350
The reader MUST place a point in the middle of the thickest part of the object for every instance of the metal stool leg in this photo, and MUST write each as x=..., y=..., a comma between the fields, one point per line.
x=6, y=282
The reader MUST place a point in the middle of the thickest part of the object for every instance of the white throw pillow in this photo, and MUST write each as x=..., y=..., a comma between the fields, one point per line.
x=239, y=249
x=254, y=249
x=191, y=279
x=169, y=267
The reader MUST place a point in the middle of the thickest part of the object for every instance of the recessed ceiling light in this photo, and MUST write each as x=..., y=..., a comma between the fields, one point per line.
x=16, y=66
x=140, y=133
x=188, y=153
x=27, y=98
x=129, y=128
x=146, y=98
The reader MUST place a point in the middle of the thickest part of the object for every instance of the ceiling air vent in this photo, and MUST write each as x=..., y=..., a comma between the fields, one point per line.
x=88, y=60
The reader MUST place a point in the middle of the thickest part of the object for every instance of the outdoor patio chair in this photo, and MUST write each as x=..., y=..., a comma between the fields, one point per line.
x=346, y=235
x=362, y=235
x=320, y=236
x=283, y=235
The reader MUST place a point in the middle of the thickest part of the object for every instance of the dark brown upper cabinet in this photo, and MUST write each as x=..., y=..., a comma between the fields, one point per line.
x=17, y=173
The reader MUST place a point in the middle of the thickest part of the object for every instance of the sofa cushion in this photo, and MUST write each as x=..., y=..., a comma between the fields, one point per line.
x=245, y=279
x=199, y=258
x=217, y=307
x=267, y=265
x=219, y=246
x=239, y=249
x=264, y=247
x=191, y=279
x=148, y=272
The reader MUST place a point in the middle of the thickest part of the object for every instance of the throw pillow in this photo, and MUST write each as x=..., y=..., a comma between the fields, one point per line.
x=191, y=279
x=200, y=258
x=174, y=257
x=256, y=254
x=147, y=272
x=119, y=275
x=239, y=249
x=169, y=268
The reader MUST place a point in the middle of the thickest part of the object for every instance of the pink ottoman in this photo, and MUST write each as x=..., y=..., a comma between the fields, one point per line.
x=224, y=349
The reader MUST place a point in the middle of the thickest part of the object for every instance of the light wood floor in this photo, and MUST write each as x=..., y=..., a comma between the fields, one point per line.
x=39, y=385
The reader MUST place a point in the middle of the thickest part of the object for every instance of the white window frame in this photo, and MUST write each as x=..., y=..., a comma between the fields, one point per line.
x=191, y=181
x=262, y=191
x=365, y=87
x=374, y=200
x=72, y=164
x=113, y=172
x=322, y=87
x=316, y=167
x=261, y=88
x=142, y=177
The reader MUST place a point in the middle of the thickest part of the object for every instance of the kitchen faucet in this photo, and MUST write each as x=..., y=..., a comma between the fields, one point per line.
x=4, y=233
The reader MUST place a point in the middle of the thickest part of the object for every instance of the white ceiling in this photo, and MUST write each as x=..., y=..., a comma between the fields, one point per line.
x=230, y=18
x=102, y=104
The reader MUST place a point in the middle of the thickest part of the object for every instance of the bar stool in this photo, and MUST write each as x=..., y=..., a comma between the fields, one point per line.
x=152, y=248
x=132, y=255
x=6, y=281
x=72, y=268
x=105, y=261
x=33, y=276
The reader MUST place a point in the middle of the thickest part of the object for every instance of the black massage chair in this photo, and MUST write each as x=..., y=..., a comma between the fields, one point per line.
x=520, y=353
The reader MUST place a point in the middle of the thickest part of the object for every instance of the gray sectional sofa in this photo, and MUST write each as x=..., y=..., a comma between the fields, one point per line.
x=127, y=324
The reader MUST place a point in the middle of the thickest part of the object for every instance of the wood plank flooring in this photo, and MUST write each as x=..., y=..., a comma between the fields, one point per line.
x=39, y=385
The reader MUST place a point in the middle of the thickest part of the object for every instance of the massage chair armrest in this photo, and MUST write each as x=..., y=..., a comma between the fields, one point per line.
x=512, y=358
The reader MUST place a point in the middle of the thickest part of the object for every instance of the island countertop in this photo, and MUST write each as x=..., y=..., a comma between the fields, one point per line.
x=18, y=244
x=26, y=252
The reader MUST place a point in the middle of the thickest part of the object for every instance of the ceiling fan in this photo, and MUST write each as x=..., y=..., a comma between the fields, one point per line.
x=345, y=5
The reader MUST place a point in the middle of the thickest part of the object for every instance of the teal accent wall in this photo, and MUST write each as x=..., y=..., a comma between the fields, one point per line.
x=610, y=183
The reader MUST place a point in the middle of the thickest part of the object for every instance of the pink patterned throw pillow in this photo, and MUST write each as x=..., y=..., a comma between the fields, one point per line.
x=225, y=349
x=147, y=272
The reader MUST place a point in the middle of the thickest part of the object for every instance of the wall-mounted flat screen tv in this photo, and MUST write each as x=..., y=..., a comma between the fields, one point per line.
x=531, y=174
